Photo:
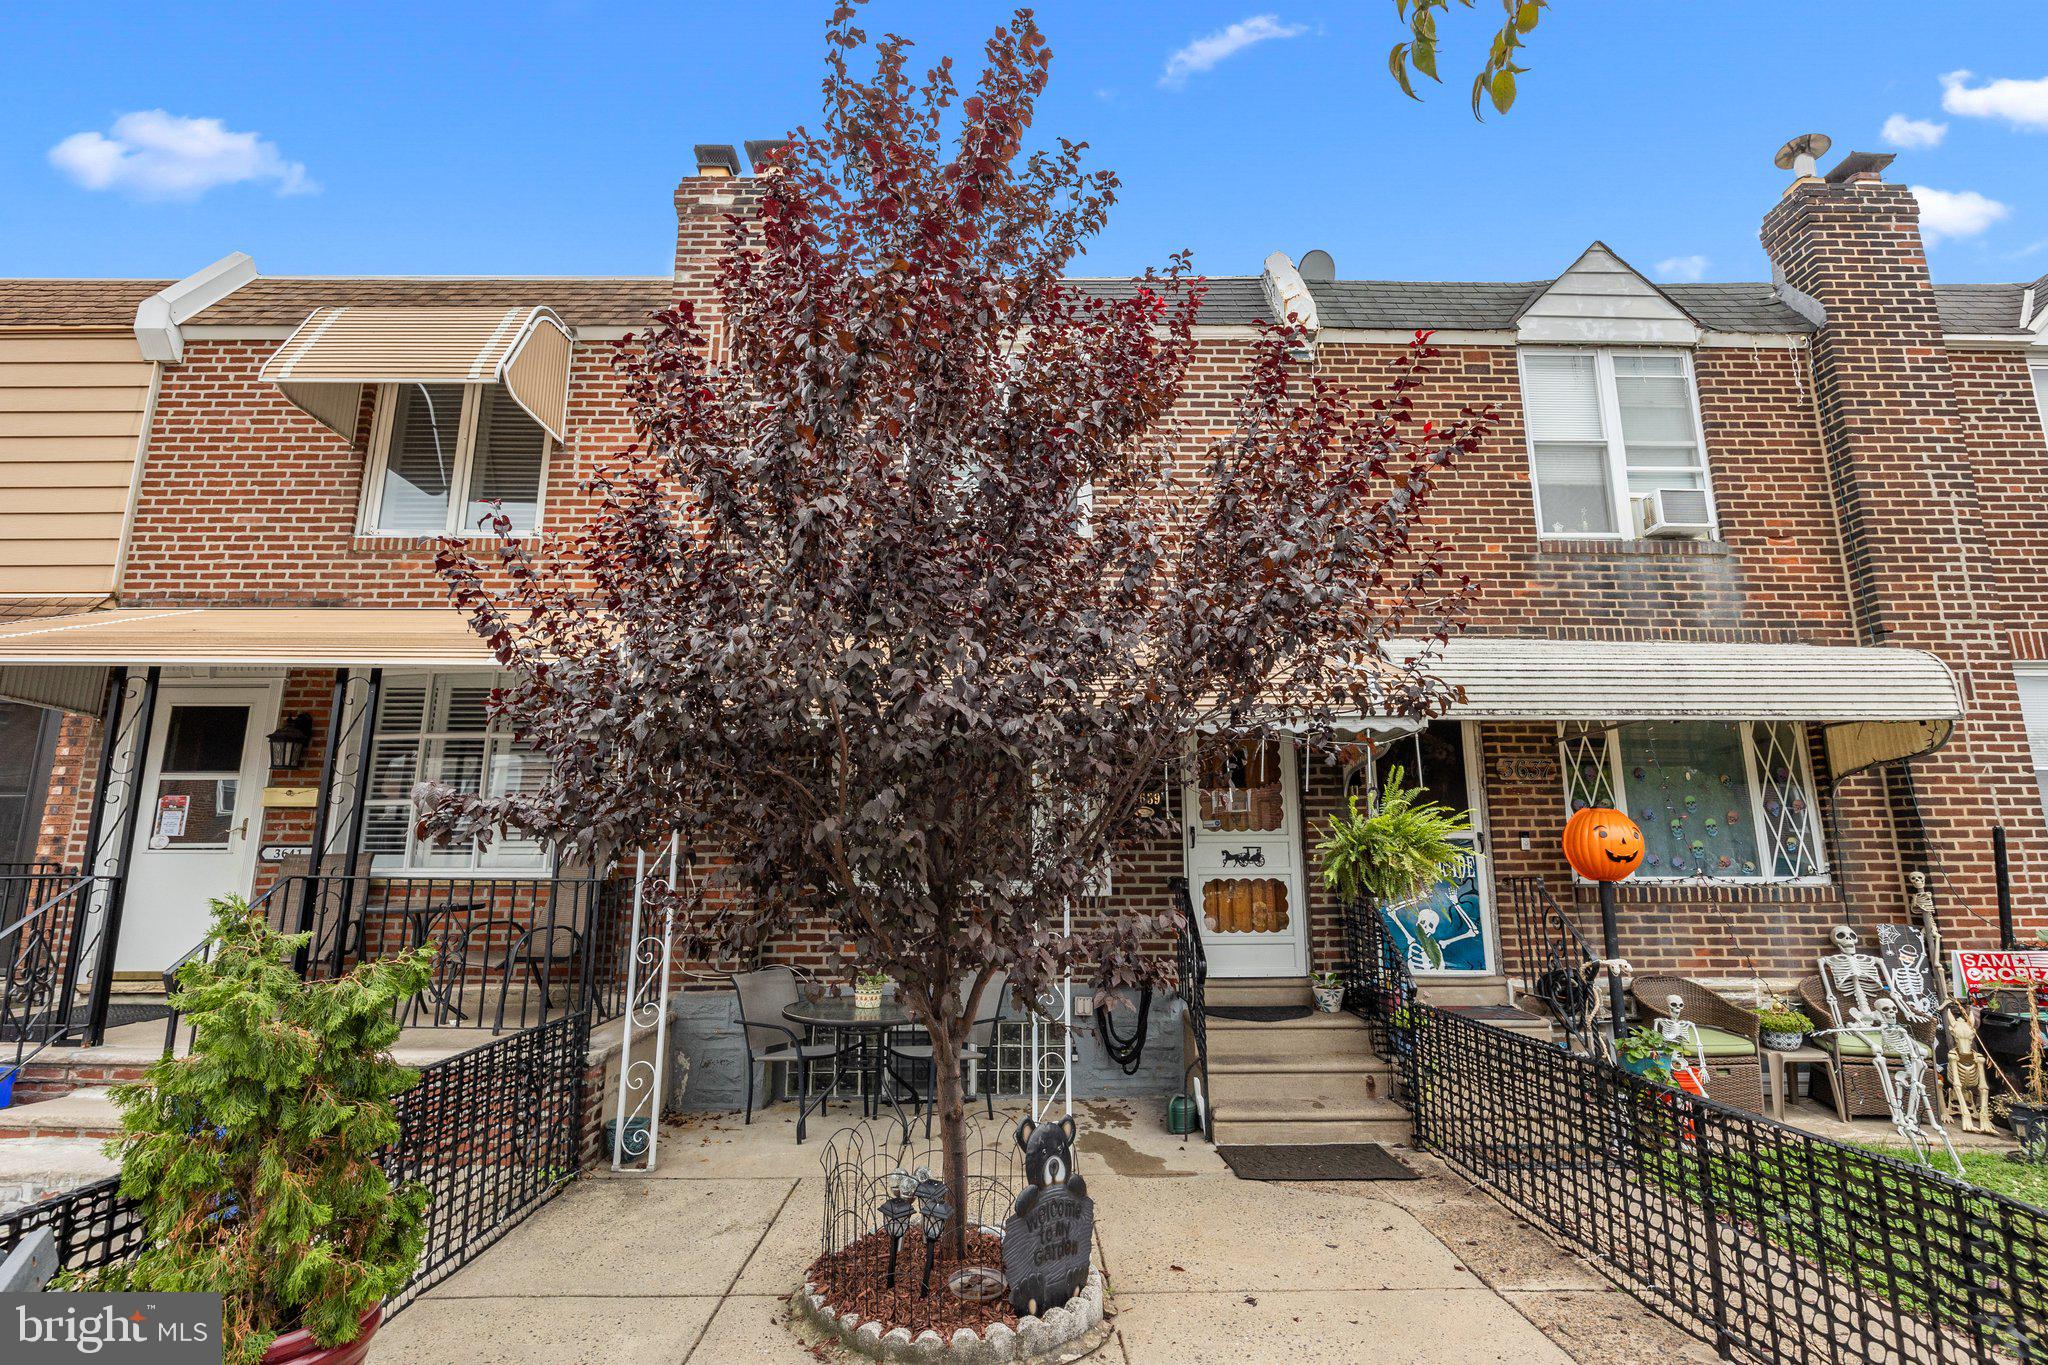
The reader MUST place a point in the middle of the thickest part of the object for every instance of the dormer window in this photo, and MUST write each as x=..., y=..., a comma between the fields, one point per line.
x=444, y=458
x=1614, y=443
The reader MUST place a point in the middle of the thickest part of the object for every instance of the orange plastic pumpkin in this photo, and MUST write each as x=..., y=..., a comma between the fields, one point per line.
x=1602, y=844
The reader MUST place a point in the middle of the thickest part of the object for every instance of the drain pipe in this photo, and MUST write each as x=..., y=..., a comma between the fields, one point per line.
x=2002, y=868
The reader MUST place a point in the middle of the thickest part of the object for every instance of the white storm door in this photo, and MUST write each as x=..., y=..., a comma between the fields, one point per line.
x=195, y=836
x=1244, y=861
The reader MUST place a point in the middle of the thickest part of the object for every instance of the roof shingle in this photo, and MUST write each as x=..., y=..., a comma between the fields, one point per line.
x=73, y=303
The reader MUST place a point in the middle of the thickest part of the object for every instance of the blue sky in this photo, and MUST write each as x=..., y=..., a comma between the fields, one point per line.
x=545, y=138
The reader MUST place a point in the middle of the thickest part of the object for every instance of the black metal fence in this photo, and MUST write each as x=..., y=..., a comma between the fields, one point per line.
x=493, y=1133
x=51, y=929
x=511, y=952
x=1191, y=984
x=1778, y=1245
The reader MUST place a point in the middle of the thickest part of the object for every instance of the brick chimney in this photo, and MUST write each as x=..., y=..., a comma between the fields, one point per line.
x=1846, y=252
x=704, y=203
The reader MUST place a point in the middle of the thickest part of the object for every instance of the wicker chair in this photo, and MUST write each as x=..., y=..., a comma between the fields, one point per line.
x=1852, y=1070
x=1729, y=1034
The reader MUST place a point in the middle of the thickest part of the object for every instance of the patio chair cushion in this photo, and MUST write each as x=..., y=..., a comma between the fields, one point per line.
x=1718, y=1042
x=1846, y=1044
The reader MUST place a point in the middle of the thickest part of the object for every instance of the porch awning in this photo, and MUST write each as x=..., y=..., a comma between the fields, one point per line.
x=1876, y=703
x=326, y=363
x=54, y=661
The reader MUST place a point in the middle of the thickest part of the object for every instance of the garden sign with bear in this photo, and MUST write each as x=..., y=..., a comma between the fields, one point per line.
x=1048, y=1241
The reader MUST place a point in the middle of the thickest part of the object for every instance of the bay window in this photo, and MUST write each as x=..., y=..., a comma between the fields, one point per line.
x=1606, y=429
x=444, y=457
x=435, y=728
x=1714, y=799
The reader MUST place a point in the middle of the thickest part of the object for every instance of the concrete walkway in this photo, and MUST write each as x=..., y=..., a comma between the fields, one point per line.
x=695, y=1264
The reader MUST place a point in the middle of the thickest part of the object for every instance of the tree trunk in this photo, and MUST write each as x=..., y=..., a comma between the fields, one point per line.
x=950, y=1099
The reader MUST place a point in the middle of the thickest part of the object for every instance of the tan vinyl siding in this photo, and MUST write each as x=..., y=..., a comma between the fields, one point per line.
x=72, y=407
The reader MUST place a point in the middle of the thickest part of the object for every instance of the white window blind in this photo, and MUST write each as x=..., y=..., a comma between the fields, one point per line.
x=447, y=454
x=2034, y=711
x=2041, y=396
x=1606, y=428
x=434, y=727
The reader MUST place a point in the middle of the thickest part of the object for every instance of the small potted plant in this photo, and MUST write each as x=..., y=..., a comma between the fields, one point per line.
x=1329, y=991
x=868, y=988
x=1784, y=1029
x=254, y=1160
x=1647, y=1053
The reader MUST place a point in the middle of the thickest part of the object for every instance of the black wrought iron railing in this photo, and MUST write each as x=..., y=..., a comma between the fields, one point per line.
x=510, y=952
x=1191, y=984
x=1773, y=1243
x=1378, y=987
x=493, y=1133
x=1552, y=958
x=49, y=959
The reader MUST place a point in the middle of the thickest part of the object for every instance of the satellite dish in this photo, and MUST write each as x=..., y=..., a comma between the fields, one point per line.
x=1802, y=151
x=1318, y=267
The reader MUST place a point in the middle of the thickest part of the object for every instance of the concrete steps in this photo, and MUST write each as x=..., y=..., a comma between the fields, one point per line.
x=1464, y=990
x=36, y=1168
x=1259, y=990
x=1309, y=1081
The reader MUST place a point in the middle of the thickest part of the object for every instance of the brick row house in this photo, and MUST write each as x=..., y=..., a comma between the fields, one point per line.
x=1759, y=562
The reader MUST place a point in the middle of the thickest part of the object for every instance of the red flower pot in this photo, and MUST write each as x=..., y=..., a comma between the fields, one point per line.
x=297, y=1348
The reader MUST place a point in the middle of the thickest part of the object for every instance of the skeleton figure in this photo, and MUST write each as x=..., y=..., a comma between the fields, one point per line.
x=1913, y=1111
x=1424, y=950
x=1684, y=1036
x=1855, y=979
x=1969, y=1079
x=1909, y=981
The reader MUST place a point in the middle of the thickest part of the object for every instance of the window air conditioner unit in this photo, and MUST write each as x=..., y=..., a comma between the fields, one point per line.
x=1676, y=512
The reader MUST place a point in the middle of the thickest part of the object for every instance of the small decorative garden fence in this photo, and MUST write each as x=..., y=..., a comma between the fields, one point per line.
x=493, y=1133
x=1777, y=1245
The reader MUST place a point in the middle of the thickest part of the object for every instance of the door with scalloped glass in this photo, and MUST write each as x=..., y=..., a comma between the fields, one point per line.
x=1243, y=816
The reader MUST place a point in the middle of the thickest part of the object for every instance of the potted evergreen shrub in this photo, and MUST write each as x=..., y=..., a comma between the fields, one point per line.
x=1390, y=854
x=1784, y=1029
x=254, y=1158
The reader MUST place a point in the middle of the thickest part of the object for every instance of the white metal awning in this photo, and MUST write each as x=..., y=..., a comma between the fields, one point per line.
x=1874, y=703
x=326, y=363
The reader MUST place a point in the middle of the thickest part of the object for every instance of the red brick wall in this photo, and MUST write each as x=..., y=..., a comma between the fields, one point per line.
x=245, y=500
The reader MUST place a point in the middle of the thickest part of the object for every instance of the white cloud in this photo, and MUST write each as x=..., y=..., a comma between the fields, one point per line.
x=1205, y=52
x=1684, y=269
x=1955, y=213
x=2021, y=103
x=1901, y=131
x=156, y=155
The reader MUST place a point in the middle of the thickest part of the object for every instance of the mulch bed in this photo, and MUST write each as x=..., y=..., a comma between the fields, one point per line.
x=855, y=1279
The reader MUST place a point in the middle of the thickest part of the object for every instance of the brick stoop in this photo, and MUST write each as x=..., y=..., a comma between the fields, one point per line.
x=1297, y=1081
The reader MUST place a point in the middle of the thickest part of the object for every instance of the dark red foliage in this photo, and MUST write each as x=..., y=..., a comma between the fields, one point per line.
x=904, y=602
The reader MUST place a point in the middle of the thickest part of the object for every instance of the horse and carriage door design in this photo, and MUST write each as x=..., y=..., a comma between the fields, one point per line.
x=1450, y=927
x=1244, y=859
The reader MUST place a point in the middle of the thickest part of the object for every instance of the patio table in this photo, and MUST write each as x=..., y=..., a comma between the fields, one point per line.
x=1778, y=1074
x=862, y=1034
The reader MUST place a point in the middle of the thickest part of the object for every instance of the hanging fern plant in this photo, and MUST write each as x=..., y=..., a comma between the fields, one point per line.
x=1387, y=855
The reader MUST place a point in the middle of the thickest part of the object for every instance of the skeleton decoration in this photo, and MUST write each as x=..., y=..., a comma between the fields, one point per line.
x=1684, y=1037
x=1907, y=1095
x=1856, y=980
x=1906, y=959
x=1969, y=1078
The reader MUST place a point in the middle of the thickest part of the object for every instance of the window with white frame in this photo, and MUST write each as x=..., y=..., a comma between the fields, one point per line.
x=2033, y=686
x=2041, y=394
x=445, y=457
x=435, y=728
x=1608, y=429
x=1714, y=798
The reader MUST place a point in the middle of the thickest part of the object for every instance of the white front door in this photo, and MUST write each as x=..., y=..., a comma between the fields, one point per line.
x=1244, y=861
x=195, y=836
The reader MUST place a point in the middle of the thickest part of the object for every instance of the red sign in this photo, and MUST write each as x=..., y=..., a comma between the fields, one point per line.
x=1978, y=970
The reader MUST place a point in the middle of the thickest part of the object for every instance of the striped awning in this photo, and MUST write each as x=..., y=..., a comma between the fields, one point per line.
x=248, y=636
x=326, y=363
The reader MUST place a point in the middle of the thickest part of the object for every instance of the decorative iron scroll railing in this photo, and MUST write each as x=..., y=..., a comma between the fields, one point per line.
x=50, y=960
x=493, y=1133
x=1192, y=985
x=1555, y=963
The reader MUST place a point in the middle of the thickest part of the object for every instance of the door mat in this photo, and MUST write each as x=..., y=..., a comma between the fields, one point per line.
x=1327, y=1161
x=13, y=1030
x=1505, y=1013
x=1258, y=1014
